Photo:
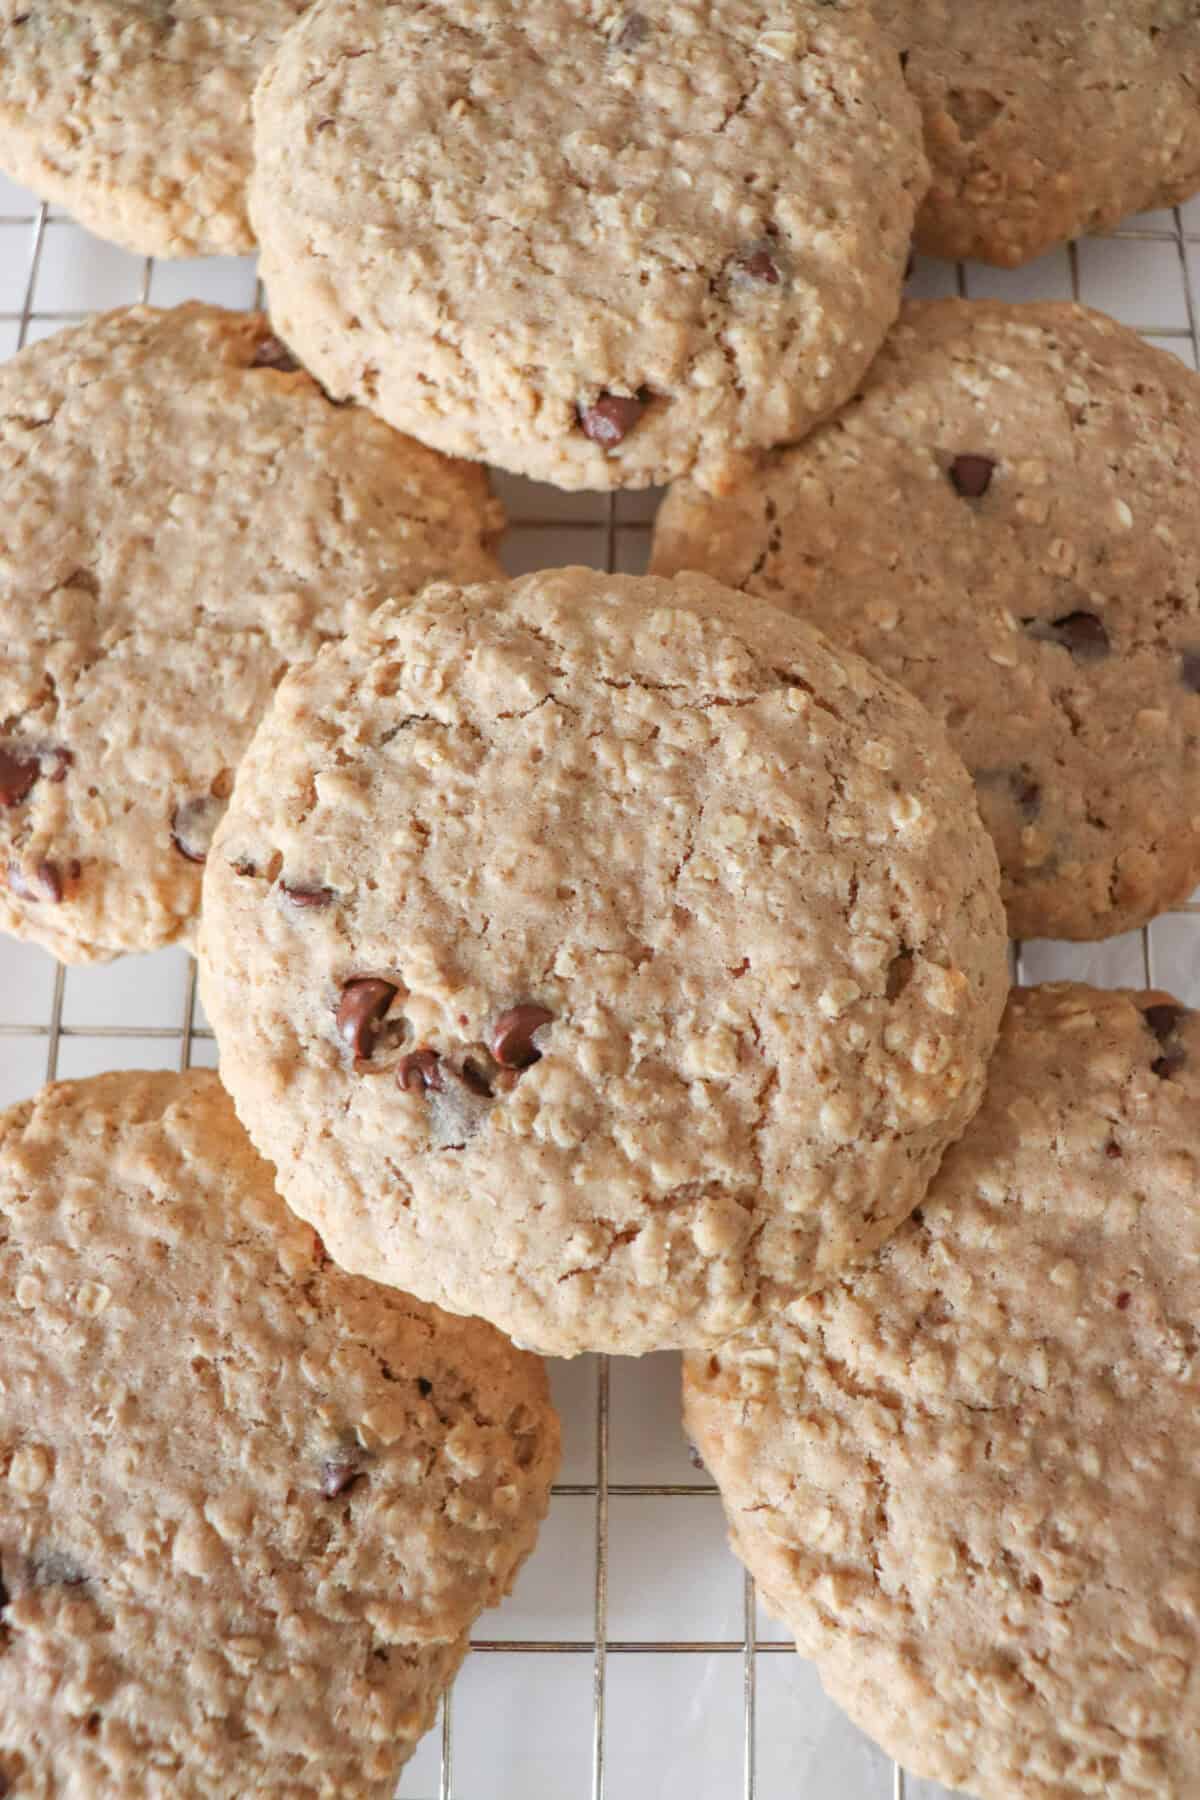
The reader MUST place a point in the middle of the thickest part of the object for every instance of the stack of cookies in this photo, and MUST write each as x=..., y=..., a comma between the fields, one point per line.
x=601, y=963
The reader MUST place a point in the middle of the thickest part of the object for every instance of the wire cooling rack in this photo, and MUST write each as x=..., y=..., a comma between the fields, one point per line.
x=633, y=1662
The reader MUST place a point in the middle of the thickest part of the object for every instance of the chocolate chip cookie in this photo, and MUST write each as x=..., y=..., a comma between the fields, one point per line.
x=249, y=1505
x=965, y=1476
x=137, y=116
x=1045, y=119
x=1004, y=518
x=184, y=514
x=596, y=244
x=607, y=957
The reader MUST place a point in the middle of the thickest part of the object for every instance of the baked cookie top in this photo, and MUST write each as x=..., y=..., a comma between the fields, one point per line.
x=1045, y=119
x=1005, y=520
x=135, y=114
x=594, y=244
x=622, y=957
x=249, y=1505
x=184, y=513
x=965, y=1475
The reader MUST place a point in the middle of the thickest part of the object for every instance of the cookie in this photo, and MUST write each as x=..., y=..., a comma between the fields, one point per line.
x=137, y=117
x=185, y=514
x=965, y=1476
x=594, y=244
x=1005, y=520
x=1048, y=119
x=249, y=1505
x=622, y=958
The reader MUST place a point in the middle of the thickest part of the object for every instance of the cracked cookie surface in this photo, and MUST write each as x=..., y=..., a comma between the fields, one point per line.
x=184, y=515
x=1005, y=520
x=595, y=244
x=135, y=114
x=965, y=1476
x=250, y=1505
x=605, y=956
x=1047, y=119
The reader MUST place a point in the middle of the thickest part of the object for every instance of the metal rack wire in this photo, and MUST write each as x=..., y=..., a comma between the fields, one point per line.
x=613, y=532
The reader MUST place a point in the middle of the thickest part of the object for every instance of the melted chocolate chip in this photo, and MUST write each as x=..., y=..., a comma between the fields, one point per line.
x=610, y=419
x=1113, y=1150
x=475, y=1078
x=338, y=1474
x=425, y=1387
x=307, y=894
x=1163, y=1019
x=762, y=262
x=271, y=353
x=1027, y=794
x=361, y=1011
x=18, y=772
x=1189, y=670
x=192, y=826
x=1122, y=1301
x=420, y=1072
x=972, y=475
x=1081, y=633
x=512, y=1035
x=635, y=28
x=45, y=883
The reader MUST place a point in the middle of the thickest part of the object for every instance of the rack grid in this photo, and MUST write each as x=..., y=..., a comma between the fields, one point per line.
x=633, y=1662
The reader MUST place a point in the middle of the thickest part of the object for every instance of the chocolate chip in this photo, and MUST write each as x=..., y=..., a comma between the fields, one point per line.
x=1081, y=633
x=1027, y=794
x=475, y=1078
x=307, y=894
x=420, y=1072
x=1113, y=1150
x=1189, y=670
x=610, y=419
x=44, y=884
x=899, y=974
x=635, y=28
x=972, y=475
x=18, y=772
x=192, y=826
x=762, y=262
x=426, y=1387
x=1163, y=1019
x=1122, y=1301
x=512, y=1035
x=338, y=1474
x=271, y=353
x=361, y=1010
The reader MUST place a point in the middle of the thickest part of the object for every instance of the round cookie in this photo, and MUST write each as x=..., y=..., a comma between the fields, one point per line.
x=249, y=1505
x=1005, y=520
x=184, y=514
x=136, y=116
x=595, y=244
x=1049, y=118
x=965, y=1476
x=622, y=959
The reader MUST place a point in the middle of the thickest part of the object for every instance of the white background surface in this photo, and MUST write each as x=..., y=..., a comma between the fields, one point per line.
x=676, y=1705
